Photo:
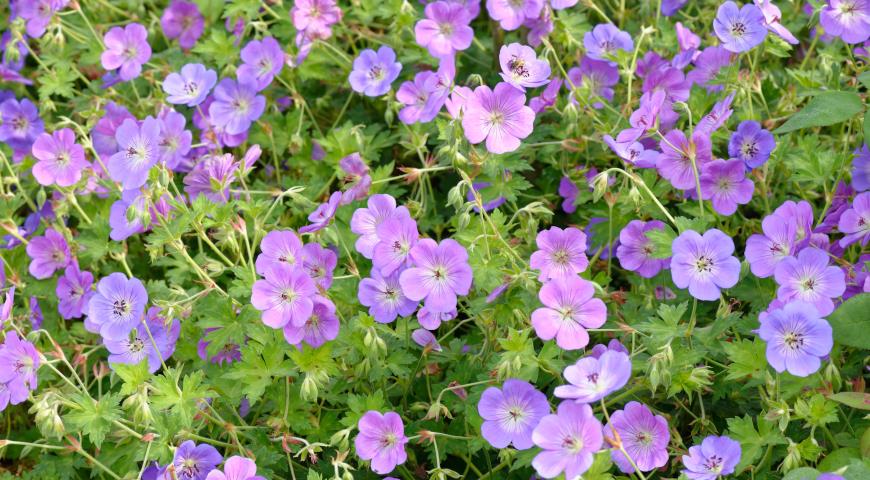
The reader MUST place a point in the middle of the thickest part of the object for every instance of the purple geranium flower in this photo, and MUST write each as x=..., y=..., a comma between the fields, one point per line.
x=510, y=414
x=568, y=440
x=445, y=30
x=382, y=440
x=191, y=86
x=797, y=338
x=60, y=159
x=182, y=20
x=384, y=297
x=751, y=144
x=323, y=214
x=229, y=352
x=279, y=247
x=38, y=14
x=855, y=222
x=678, y=153
x=715, y=457
x=498, y=116
x=319, y=263
x=236, y=468
x=521, y=68
x=440, y=273
x=397, y=236
x=236, y=105
x=604, y=40
x=569, y=309
x=772, y=17
x=6, y=307
x=847, y=19
x=860, y=169
x=739, y=28
x=568, y=191
x=357, y=178
x=643, y=435
x=594, y=78
x=48, y=253
x=284, y=295
x=19, y=125
x=74, y=291
x=425, y=339
x=194, y=462
x=365, y=221
x=432, y=320
x=810, y=279
x=510, y=14
x=19, y=362
x=127, y=50
x=765, y=251
x=152, y=340
x=321, y=327
x=801, y=215
x=420, y=99
x=117, y=306
x=212, y=177
x=36, y=316
x=175, y=140
x=547, y=98
x=373, y=73
x=262, y=61
x=707, y=66
x=593, y=378
x=560, y=253
x=633, y=152
x=315, y=17
x=670, y=7
x=724, y=182
x=139, y=150
x=635, y=251
x=705, y=263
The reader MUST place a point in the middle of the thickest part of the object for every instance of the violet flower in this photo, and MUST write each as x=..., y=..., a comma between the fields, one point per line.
x=498, y=116
x=191, y=86
x=724, y=182
x=810, y=279
x=847, y=19
x=605, y=40
x=739, y=28
x=568, y=441
x=596, y=79
x=797, y=338
x=678, y=155
x=861, y=169
x=560, y=253
x=521, y=68
x=60, y=160
x=765, y=251
x=384, y=297
x=279, y=247
x=440, y=273
x=182, y=20
x=236, y=106
x=321, y=327
x=425, y=339
x=127, y=49
x=117, y=306
x=74, y=291
x=855, y=222
x=319, y=263
x=48, y=253
x=284, y=295
x=751, y=144
x=323, y=214
x=382, y=440
x=19, y=362
x=569, y=309
x=510, y=14
x=635, y=251
x=139, y=150
x=373, y=73
x=644, y=437
x=194, y=462
x=262, y=61
x=365, y=221
x=445, y=30
x=236, y=468
x=152, y=340
x=713, y=458
x=510, y=414
x=704, y=264
x=593, y=378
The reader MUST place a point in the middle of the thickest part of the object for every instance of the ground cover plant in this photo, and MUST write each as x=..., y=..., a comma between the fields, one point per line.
x=598, y=239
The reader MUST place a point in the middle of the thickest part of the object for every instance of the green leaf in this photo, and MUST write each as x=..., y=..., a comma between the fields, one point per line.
x=219, y=47
x=857, y=400
x=259, y=367
x=132, y=375
x=851, y=323
x=867, y=127
x=865, y=79
x=94, y=418
x=59, y=81
x=817, y=412
x=803, y=473
x=179, y=396
x=751, y=440
x=826, y=108
x=747, y=357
